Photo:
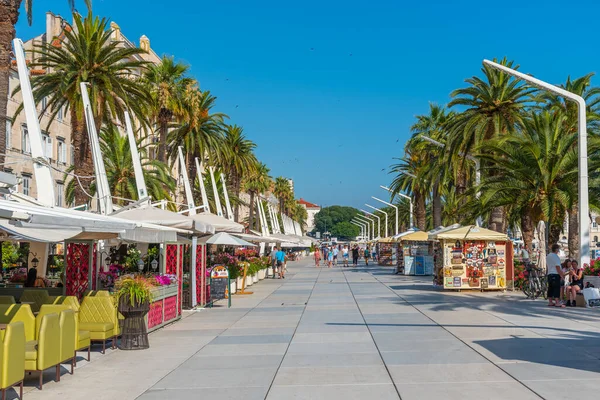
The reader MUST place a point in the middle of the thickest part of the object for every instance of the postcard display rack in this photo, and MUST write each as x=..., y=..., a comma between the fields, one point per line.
x=416, y=257
x=387, y=254
x=474, y=264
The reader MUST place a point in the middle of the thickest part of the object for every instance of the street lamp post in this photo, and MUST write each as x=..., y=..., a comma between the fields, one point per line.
x=391, y=205
x=371, y=223
x=363, y=226
x=386, y=217
x=468, y=157
x=584, y=228
x=378, y=222
x=405, y=196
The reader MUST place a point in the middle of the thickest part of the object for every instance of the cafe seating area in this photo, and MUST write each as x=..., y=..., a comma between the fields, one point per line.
x=35, y=341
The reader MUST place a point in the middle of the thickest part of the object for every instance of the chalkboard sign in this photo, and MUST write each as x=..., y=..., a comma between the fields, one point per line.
x=219, y=284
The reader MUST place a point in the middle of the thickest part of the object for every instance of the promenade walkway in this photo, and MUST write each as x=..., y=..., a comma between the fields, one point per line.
x=354, y=334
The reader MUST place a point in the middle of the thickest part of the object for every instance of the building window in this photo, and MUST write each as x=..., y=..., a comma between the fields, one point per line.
x=61, y=151
x=26, y=185
x=8, y=134
x=44, y=103
x=25, y=144
x=72, y=155
x=60, y=192
x=47, y=145
x=594, y=224
x=59, y=114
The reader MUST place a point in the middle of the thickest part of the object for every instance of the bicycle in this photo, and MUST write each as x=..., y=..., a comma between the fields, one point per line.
x=535, y=286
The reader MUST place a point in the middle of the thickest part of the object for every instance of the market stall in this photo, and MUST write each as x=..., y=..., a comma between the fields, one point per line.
x=415, y=253
x=387, y=252
x=472, y=257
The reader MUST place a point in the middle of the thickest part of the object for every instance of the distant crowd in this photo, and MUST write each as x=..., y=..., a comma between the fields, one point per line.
x=330, y=255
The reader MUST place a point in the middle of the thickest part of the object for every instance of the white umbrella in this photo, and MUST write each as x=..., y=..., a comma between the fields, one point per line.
x=225, y=238
x=541, y=237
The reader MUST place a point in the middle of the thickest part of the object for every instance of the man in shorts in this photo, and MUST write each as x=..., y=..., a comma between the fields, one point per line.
x=280, y=257
x=273, y=260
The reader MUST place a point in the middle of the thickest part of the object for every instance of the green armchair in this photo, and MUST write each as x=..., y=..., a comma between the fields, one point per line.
x=35, y=296
x=47, y=352
x=12, y=358
x=7, y=300
x=98, y=315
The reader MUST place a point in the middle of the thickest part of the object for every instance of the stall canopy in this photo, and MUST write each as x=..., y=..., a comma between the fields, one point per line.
x=441, y=229
x=45, y=234
x=253, y=238
x=224, y=238
x=220, y=224
x=470, y=232
x=158, y=216
x=411, y=234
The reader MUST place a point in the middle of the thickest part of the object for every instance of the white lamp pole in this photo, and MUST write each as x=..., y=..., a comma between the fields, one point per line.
x=371, y=223
x=584, y=227
x=405, y=196
x=386, y=217
x=364, y=227
x=468, y=157
x=378, y=222
x=391, y=205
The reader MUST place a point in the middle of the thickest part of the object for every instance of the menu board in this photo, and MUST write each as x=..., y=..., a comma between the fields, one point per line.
x=219, y=283
x=474, y=264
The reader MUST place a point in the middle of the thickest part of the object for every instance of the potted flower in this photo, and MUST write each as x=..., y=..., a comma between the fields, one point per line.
x=134, y=295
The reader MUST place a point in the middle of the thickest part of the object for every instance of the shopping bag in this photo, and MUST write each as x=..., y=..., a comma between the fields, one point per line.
x=592, y=297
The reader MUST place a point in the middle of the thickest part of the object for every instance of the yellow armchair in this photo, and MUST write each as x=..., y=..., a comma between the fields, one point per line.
x=98, y=315
x=70, y=301
x=35, y=296
x=47, y=352
x=68, y=337
x=93, y=293
x=82, y=338
x=7, y=300
x=12, y=358
x=19, y=312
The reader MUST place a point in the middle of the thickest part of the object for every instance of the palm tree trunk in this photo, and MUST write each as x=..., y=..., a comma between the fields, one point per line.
x=163, y=122
x=237, y=190
x=527, y=228
x=554, y=235
x=420, y=213
x=497, y=220
x=437, y=205
x=574, y=231
x=9, y=14
x=84, y=164
x=250, y=225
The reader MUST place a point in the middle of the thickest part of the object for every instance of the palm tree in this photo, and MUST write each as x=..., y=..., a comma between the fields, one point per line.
x=534, y=173
x=283, y=191
x=258, y=182
x=116, y=153
x=167, y=83
x=434, y=126
x=9, y=15
x=583, y=87
x=238, y=159
x=410, y=177
x=87, y=54
x=494, y=107
x=201, y=131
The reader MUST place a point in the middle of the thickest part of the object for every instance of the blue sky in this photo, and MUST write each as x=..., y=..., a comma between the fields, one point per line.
x=329, y=89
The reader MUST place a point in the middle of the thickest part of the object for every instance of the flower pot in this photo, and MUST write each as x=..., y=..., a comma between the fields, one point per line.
x=238, y=282
x=233, y=286
x=254, y=278
x=134, y=333
x=261, y=274
x=249, y=280
x=269, y=272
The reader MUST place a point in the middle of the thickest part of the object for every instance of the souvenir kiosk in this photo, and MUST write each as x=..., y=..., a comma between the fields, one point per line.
x=471, y=257
x=415, y=253
x=387, y=252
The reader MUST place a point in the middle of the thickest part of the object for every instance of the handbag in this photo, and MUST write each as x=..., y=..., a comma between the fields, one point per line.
x=592, y=297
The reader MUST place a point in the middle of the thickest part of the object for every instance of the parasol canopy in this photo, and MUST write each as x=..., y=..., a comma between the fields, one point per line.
x=224, y=238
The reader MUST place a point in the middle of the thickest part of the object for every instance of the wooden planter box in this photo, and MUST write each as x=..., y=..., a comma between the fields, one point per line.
x=164, y=308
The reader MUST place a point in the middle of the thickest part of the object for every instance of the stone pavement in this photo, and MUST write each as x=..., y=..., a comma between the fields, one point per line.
x=354, y=334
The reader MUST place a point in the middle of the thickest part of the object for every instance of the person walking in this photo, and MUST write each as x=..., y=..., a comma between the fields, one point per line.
x=317, y=257
x=329, y=257
x=280, y=257
x=554, y=275
x=367, y=254
x=336, y=251
x=374, y=254
x=355, y=255
x=273, y=260
x=345, y=255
